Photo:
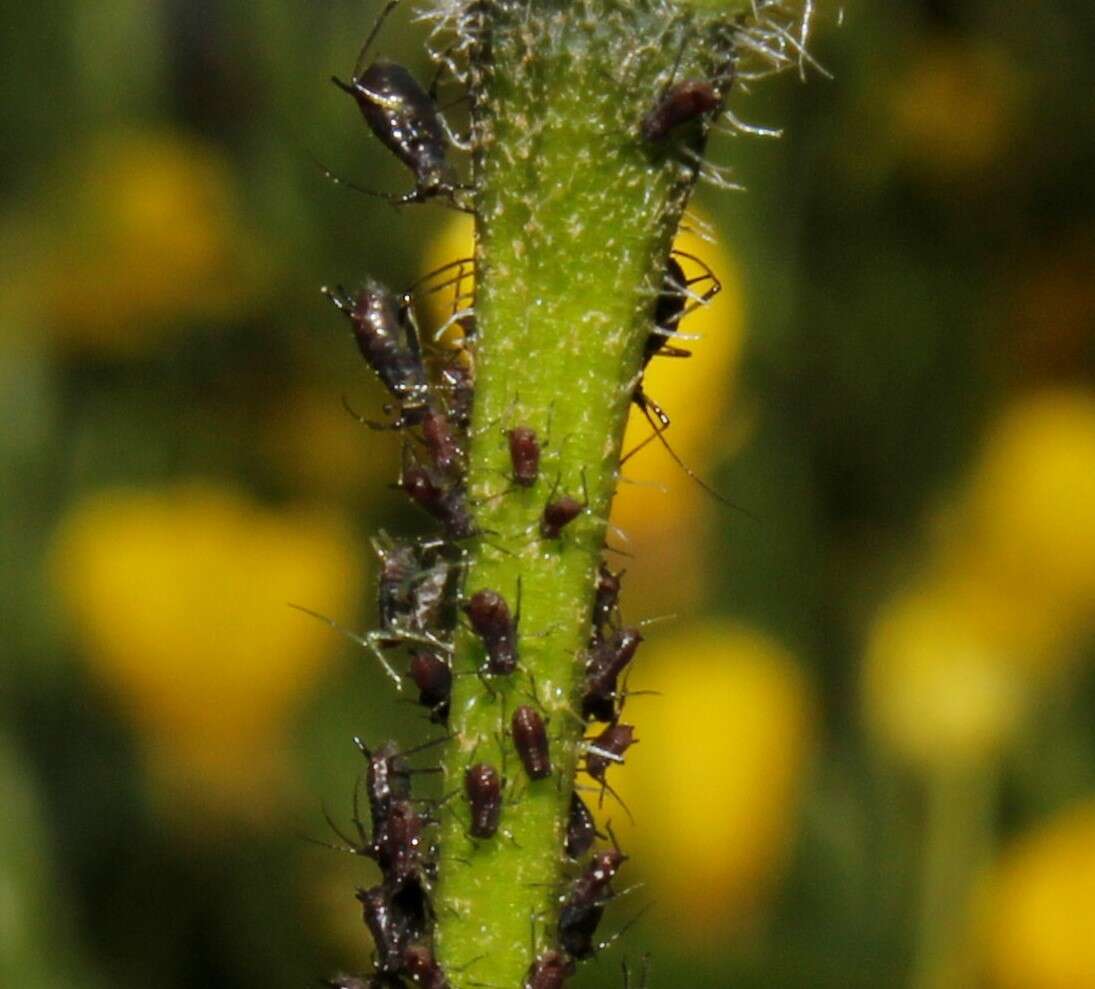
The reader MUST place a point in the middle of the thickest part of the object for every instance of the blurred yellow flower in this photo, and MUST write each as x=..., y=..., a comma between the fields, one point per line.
x=1031, y=501
x=1039, y=920
x=953, y=111
x=150, y=233
x=180, y=599
x=714, y=780
x=942, y=684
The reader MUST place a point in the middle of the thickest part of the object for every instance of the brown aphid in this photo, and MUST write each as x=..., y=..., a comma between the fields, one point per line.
x=422, y=968
x=607, y=660
x=483, y=788
x=524, y=455
x=581, y=828
x=608, y=748
x=606, y=598
x=433, y=678
x=583, y=908
x=531, y=741
x=549, y=971
x=444, y=448
x=558, y=514
x=445, y=502
x=683, y=101
x=389, y=930
x=491, y=620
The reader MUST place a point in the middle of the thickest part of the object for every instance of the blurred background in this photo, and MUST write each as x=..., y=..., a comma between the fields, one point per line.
x=872, y=762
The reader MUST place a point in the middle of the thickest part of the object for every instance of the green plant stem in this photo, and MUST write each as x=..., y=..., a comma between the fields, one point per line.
x=574, y=224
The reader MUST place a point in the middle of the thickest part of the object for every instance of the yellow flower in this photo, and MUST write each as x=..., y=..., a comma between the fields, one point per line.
x=1031, y=502
x=180, y=600
x=151, y=234
x=1039, y=923
x=942, y=684
x=714, y=780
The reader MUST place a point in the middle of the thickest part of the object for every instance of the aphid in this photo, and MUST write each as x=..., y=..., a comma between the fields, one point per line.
x=483, y=787
x=422, y=968
x=559, y=512
x=410, y=594
x=608, y=748
x=682, y=102
x=583, y=908
x=531, y=741
x=458, y=380
x=389, y=929
x=581, y=828
x=433, y=678
x=398, y=843
x=445, y=502
x=491, y=620
x=387, y=778
x=387, y=337
x=524, y=453
x=606, y=598
x=445, y=451
x=549, y=971
x=606, y=660
x=405, y=119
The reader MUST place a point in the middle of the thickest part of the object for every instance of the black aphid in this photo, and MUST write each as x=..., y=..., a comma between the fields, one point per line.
x=606, y=660
x=584, y=906
x=606, y=599
x=581, y=828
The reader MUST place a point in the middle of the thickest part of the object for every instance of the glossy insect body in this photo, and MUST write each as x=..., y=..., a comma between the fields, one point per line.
x=583, y=908
x=385, y=335
x=607, y=660
x=608, y=748
x=524, y=452
x=531, y=741
x=387, y=778
x=483, y=788
x=444, y=448
x=684, y=101
x=422, y=968
x=490, y=618
x=581, y=828
x=445, y=502
x=549, y=971
x=606, y=599
x=433, y=678
x=398, y=843
x=389, y=929
x=558, y=514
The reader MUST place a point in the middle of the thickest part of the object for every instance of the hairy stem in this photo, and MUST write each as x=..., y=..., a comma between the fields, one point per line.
x=575, y=217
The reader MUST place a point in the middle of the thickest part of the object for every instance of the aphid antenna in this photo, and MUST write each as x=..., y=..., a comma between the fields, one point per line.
x=739, y=126
x=608, y=942
x=643, y=972
x=607, y=788
x=360, y=640
x=650, y=485
x=441, y=269
x=359, y=65
x=649, y=406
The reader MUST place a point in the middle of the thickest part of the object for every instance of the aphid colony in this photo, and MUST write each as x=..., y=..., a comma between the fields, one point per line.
x=421, y=595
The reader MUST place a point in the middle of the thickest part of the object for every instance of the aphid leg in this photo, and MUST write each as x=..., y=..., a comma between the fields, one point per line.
x=366, y=641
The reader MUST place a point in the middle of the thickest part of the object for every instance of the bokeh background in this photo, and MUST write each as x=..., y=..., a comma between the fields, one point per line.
x=872, y=760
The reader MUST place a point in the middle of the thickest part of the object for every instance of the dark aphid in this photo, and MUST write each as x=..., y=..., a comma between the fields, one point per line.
x=524, y=453
x=444, y=449
x=608, y=748
x=422, y=968
x=606, y=600
x=458, y=381
x=483, y=787
x=491, y=620
x=388, y=928
x=549, y=971
x=445, y=502
x=584, y=906
x=683, y=101
x=433, y=678
x=410, y=592
x=558, y=514
x=386, y=335
x=581, y=828
x=404, y=118
x=398, y=843
x=607, y=659
x=531, y=741
x=387, y=778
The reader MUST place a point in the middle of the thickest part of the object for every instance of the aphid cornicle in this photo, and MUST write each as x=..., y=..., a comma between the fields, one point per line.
x=549, y=971
x=404, y=118
x=491, y=620
x=483, y=788
x=387, y=338
x=531, y=741
x=524, y=453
